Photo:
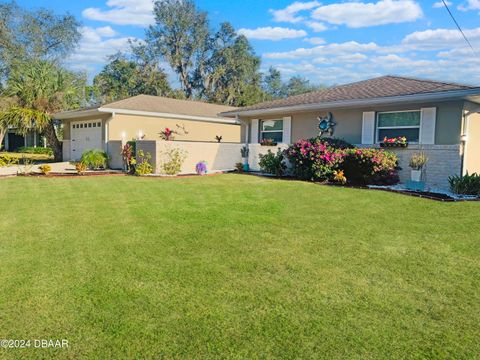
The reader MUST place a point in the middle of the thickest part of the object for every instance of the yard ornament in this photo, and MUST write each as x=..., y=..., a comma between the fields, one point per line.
x=326, y=125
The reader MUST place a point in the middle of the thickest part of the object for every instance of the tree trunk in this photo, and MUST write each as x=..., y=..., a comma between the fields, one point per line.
x=53, y=142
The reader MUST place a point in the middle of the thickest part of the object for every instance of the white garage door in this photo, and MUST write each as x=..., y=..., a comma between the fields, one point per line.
x=85, y=135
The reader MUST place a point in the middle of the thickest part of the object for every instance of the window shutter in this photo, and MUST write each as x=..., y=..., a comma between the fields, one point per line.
x=368, y=128
x=254, y=131
x=287, y=130
x=427, y=127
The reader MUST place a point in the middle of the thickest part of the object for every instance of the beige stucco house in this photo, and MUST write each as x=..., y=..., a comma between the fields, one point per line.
x=143, y=117
x=442, y=119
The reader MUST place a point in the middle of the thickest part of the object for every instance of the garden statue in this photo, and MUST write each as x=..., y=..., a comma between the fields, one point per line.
x=326, y=125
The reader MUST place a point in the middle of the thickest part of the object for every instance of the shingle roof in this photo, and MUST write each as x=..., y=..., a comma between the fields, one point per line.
x=158, y=104
x=169, y=106
x=385, y=86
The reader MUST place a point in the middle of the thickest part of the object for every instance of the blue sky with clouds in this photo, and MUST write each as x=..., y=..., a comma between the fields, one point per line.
x=329, y=42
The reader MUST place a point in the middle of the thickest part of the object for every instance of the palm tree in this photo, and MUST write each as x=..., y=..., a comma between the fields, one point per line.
x=39, y=89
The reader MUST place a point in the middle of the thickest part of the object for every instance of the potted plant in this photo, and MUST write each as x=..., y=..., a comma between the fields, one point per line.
x=201, y=168
x=268, y=142
x=417, y=164
x=245, y=151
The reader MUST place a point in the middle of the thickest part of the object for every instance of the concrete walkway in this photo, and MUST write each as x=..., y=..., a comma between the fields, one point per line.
x=60, y=167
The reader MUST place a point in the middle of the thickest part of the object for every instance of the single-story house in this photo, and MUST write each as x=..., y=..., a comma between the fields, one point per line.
x=13, y=141
x=439, y=118
x=143, y=117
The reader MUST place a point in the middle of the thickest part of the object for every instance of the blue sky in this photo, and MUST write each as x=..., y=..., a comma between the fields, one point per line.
x=329, y=42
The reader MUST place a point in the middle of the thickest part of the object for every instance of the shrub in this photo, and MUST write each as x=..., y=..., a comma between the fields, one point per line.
x=370, y=167
x=465, y=185
x=174, y=159
x=128, y=156
x=8, y=160
x=143, y=166
x=95, y=159
x=36, y=150
x=45, y=169
x=418, y=161
x=80, y=167
x=239, y=167
x=316, y=158
x=273, y=163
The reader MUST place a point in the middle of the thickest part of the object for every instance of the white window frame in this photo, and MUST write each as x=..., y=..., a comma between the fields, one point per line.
x=377, y=128
x=261, y=131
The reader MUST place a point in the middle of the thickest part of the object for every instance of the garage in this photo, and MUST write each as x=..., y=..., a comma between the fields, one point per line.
x=85, y=135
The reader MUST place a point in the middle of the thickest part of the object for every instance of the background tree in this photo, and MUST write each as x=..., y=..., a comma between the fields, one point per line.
x=124, y=77
x=35, y=34
x=298, y=85
x=180, y=36
x=273, y=85
x=29, y=38
x=39, y=89
x=230, y=71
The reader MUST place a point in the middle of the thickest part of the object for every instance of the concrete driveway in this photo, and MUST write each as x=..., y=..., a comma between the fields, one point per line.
x=60, y=167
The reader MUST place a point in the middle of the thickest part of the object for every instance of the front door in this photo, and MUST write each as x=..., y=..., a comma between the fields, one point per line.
x=15, y=141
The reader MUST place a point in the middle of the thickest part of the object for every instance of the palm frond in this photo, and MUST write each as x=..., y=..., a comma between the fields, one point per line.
x=24, y=119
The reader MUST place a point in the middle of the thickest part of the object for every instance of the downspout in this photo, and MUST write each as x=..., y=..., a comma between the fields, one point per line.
x=463, y=141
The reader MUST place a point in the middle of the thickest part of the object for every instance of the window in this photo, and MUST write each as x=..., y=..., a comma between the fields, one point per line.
x=99, y=124
x=400, y=123
x=89, y=125
x=94, y=124
x=271, y=129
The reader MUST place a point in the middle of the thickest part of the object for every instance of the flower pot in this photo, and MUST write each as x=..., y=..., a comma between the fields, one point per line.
x=416, y=175
x=246, y=167
x=245, y=160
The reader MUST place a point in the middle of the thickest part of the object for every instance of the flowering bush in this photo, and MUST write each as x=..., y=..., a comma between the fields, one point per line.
x=335, y=160
x=370, y=167
x=167, y=134
x=317, y=158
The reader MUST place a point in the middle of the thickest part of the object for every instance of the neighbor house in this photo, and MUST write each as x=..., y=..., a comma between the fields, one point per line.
x=13, y=141
x=143, y=117
x=442, y=119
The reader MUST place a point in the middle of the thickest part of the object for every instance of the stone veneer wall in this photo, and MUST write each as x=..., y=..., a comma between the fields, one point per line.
x=444, y=161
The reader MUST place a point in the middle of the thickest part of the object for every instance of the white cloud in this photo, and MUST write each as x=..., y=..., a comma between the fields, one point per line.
x=438, y=39
x=325, y=50
x=470, y=5
x=95, y=45
x=272, y=33
x=439, y=4
x=359, y=14
x=316, y=26
x=289, y=14
x=123, y=12
x=315, y=40
x=106, y=31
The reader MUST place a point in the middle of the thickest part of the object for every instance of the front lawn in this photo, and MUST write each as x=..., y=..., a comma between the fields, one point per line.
x=236, y=266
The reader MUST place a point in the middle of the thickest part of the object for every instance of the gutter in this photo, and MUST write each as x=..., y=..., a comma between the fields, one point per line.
x=416, y=98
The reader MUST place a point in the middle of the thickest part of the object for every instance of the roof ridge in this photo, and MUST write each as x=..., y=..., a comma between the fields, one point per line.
x=168, y=98
x=431, y=81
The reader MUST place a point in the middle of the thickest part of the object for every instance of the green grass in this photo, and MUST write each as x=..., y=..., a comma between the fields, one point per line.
x=236, y=266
